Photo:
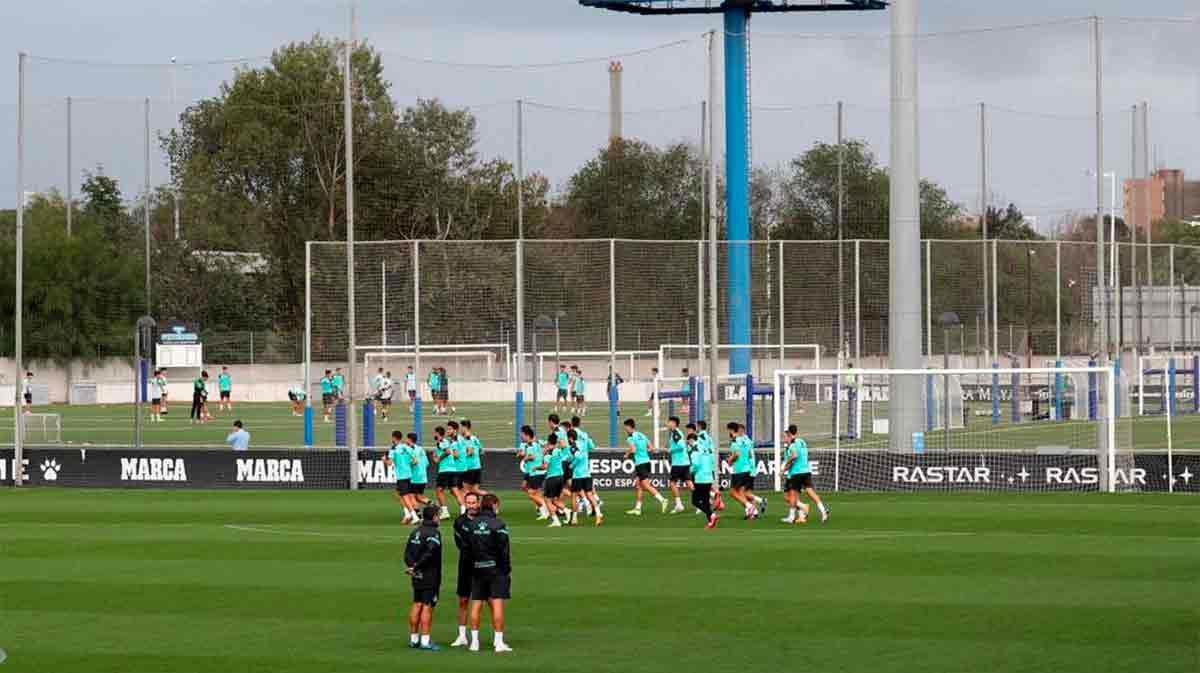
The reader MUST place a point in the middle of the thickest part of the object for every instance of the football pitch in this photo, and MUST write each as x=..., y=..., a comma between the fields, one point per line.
x=271, y=424
x=288, y=581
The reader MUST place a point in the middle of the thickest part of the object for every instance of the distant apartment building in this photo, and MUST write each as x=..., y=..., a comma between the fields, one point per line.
x=1166, y=195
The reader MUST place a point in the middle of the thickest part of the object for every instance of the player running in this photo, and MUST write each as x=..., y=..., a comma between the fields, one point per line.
x=420, y=470
x=445, y=456
x=741, y=459
x=531, y=456
x=681, y=472
x=703, y=470
x=552, y=488
x=640, y=448
x=581, y=482
x=799, y=479
x=585, y=441
x=374, y=386
x=401, y=463
x=297, y=395
x=225, y=387
x=471, y=456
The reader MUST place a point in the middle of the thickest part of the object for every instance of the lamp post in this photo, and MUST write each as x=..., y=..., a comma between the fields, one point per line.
x=558, y=315
x=539, y=323
x=947, y=320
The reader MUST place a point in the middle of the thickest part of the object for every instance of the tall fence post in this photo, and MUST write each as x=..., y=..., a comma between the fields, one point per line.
x=416, y=271
x=18, y=318
x=857, y=301
x=70, y=170
x=351, y=424
x=146, y=202
x=929, y=298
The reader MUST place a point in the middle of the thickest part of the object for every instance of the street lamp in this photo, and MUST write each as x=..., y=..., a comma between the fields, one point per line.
x=558, y=315
x=947, y=320
x=539, y=323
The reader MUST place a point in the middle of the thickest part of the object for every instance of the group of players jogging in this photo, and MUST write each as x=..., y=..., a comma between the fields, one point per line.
x=558, y=481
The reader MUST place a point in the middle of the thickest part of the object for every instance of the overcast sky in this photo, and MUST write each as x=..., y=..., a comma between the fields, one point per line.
x=1037, y=81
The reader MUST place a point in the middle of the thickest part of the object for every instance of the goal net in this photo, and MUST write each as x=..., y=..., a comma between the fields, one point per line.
x=674, y=359
x=688, y=398
x=1009, y=429
x=628, y=365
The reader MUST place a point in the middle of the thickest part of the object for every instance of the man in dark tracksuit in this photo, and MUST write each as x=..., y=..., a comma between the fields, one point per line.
x=488, y=546
x=423, y=562
x=199, y=395
x=466, y=568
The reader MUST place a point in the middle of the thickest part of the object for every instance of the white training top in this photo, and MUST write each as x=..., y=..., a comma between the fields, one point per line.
x=385, y=389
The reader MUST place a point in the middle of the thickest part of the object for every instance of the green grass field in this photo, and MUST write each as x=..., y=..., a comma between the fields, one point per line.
x=273, y=581
x=272, y=424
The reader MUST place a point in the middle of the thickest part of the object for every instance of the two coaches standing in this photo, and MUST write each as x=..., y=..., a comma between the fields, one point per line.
x=491, y=563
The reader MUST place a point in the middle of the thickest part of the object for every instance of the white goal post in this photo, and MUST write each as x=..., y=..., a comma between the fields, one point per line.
x=1034, y=437
x=484, y=362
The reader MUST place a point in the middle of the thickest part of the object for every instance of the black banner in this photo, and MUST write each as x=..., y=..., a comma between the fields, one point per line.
x=849, y=471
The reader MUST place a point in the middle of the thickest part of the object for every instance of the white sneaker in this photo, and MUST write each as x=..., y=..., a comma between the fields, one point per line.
x=502, y=647
x=787, y=519
x=678, y=509
x=474, y=647
x=543, y=517
x=634, y=512
x=461, y=641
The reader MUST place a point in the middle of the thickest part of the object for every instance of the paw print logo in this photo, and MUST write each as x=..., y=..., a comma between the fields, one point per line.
x=50, y=469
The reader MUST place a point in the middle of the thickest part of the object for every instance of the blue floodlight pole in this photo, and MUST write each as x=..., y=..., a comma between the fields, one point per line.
x=737, y=131
x=737, y=177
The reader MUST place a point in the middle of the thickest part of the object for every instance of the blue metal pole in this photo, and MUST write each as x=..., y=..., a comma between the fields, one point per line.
x=308, y=425
x=519, y=419
x=1058, y=391
x=1170, y=406
x=614, y=402
x=737, y=180
x=417, y=415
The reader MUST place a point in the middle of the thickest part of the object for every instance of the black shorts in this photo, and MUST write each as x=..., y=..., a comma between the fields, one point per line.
x=473, y=477
x=225, y=394
x=425, y=595
x=156, y=401
x=642, y=471
x=562, y=395
x=466, y=572
x=553, y=487
x=416, y=489
x=412, y=395
x=385, y=401
x=681, y=474
x=535, y=481
x=568, y=473
x=292, y=396
x=403, y=486
x=582, y=485
x=578, y=397
x=486, y=586
x=799, y=482
x=28, y=398
x=743, y=480
x=327, y=399
x=449, y=479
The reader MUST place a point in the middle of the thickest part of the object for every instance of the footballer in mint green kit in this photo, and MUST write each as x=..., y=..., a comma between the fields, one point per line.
x=470, y=453
x=563, y=379
x=639, y=448
x=401, y=463
x=741, y=458
x=445, y=454
x=704, y=474
x=681, y=464
x=581, y=467
x=799, y=479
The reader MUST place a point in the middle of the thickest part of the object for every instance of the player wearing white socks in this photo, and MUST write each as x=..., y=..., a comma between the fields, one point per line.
x=741, y=458
x=399, y=458
x=681, y=465
x=640, y=448
x=799, y=479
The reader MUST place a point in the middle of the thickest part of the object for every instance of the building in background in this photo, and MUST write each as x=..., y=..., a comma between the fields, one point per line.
x=1166, y=195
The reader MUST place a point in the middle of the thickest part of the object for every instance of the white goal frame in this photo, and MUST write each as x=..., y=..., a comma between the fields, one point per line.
x=783, y=377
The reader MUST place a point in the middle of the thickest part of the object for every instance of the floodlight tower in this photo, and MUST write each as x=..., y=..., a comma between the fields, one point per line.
x=737, y=131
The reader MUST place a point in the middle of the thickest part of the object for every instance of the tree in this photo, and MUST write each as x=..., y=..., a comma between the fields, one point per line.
x=809, y=197
x=1010, y=224
x=632, y=189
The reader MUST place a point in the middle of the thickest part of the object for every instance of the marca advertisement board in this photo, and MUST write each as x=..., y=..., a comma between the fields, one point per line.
x=847, y=471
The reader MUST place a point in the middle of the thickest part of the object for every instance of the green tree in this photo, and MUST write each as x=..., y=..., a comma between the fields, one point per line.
x=808, y=199
x=632, y=189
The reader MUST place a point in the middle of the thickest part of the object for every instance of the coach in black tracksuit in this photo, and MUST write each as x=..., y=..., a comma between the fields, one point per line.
x=466, y=568
x=491, y=581
x=423, y=563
